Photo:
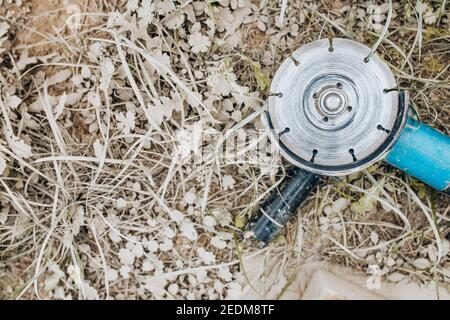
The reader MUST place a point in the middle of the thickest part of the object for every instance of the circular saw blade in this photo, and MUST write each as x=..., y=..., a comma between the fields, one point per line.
x=330, y=112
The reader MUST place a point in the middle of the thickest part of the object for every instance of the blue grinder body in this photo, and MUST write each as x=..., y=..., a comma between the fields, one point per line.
x=424, y=153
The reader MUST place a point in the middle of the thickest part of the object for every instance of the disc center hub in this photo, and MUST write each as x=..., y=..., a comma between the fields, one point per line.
x=332, y=102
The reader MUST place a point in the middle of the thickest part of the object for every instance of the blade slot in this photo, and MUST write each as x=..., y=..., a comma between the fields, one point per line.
x=284, y=131
x=381, y=128
x=331, y=48
x=296, y=62
x=277, y=94
x=352, y=152
x=315, y=152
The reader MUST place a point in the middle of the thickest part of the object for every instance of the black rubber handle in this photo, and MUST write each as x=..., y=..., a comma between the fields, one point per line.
x=282, y=205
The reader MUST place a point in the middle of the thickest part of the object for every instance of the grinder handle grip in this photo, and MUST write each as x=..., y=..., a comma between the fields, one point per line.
x=424, y=153
x=282, y=205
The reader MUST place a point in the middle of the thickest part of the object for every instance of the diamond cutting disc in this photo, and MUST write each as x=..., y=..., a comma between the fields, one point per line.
x=330, y=111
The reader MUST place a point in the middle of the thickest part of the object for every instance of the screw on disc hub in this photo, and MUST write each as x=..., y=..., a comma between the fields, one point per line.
x=331, y=113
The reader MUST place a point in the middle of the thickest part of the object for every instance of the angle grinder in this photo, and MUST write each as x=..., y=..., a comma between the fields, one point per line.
x=335, y=109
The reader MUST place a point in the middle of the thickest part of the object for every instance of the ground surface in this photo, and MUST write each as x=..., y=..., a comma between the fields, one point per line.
x=101, y=105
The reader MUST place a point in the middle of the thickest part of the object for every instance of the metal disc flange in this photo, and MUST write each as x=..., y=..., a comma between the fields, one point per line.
x=330, y=111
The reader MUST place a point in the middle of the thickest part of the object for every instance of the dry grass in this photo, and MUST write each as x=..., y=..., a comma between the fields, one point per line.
x=102, y=211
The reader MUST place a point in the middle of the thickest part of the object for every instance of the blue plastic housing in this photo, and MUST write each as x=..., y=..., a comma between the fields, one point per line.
x=424, y=153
